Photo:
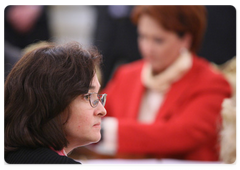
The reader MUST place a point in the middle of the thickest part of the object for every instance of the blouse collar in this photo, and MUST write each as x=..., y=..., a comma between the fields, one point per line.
x=163, y=81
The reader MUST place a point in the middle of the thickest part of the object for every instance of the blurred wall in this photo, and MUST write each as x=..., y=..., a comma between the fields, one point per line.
x=72, y=23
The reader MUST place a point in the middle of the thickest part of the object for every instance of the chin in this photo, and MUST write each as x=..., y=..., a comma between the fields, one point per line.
x=96, y=138
x=158, y=68
x=90, y=141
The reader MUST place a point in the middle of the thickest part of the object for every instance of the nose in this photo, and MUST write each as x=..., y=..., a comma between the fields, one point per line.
x=100, y=110
x=146, y=47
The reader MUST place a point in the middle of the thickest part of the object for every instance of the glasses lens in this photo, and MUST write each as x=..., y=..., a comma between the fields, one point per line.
x=95, y=98
x=95, y=103
x=103, y=99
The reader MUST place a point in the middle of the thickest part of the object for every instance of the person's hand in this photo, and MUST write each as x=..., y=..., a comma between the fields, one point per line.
x=23, y=18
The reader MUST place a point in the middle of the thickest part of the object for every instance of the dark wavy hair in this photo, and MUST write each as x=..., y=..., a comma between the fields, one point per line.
x=40, y=88
x=179, y=19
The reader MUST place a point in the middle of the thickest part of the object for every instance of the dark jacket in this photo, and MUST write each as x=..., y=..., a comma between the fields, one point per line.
x=37, y=156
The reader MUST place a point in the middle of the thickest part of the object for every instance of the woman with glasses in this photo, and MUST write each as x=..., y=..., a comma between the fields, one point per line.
x=52, y=104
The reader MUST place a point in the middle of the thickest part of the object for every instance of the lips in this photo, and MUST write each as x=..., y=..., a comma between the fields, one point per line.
x=97, y=125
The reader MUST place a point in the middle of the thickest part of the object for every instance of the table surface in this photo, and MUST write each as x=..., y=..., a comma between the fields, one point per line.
x=143, y=161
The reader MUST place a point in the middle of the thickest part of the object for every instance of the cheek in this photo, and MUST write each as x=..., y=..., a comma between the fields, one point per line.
x=163, y=48
x=145, y=46
x=168, y=51
x=77, y=115
x=81, y=122
x=141, y=47
x=76, y=125
x=75, y=118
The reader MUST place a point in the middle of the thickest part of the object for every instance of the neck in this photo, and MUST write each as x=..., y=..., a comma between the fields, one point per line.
x=68, y=150
x=162, y=81
x=163, y=69
x=156, y=72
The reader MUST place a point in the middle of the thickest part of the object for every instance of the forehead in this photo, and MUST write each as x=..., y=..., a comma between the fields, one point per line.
x=147, y=24
x=95, y=83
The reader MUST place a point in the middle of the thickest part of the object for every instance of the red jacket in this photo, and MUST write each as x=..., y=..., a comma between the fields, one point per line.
x=188, y=122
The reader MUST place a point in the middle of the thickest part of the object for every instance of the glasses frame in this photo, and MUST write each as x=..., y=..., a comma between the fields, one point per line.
x=101, y=98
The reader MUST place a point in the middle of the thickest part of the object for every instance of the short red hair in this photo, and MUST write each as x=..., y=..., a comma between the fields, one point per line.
x=179, y=19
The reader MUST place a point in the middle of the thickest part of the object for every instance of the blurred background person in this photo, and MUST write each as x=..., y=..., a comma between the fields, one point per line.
x=168, y=104
x=23, y=25
x=115, y=35
x=28, y=24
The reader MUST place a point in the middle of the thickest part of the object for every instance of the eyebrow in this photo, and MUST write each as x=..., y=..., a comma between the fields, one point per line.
x=94, y=87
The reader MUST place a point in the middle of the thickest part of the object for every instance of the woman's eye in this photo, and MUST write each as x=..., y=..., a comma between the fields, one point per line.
x=95, y=102
x=159, y=40
x=86, y=97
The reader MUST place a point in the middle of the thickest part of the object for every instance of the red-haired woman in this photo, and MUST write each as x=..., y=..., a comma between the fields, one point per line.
x=168, y=104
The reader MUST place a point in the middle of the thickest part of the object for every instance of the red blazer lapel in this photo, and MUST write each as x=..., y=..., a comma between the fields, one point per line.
x=136, y=89
x=176, y=92
x=135, y=100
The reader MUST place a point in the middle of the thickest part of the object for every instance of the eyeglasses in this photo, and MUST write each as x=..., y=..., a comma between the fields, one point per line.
x=94, y=99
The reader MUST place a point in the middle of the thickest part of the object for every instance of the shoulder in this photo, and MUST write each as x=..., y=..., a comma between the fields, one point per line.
x=125, y=77
x=37, y=156
x=206, y=70
x=127, y=73
x=205, y=75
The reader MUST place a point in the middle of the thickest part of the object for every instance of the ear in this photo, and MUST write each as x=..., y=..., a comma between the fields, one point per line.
x=187, y=41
